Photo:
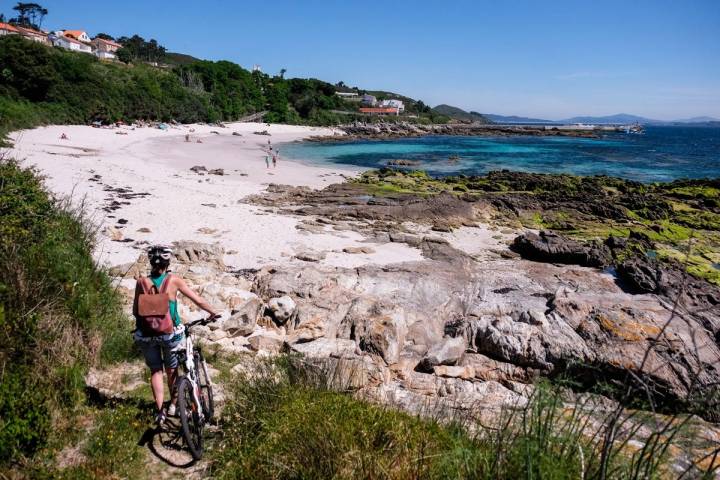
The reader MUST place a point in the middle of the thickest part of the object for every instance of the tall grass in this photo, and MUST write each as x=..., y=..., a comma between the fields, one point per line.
x=283, y=423
x=58, y=311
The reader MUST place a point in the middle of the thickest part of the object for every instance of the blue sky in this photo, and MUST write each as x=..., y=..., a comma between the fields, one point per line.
x=551, y=59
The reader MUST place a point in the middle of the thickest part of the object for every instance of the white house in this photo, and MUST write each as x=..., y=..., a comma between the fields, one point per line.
x=80, y=35
x=69, y=43
x=392, y=103
x=369, y=100
x=105, y=48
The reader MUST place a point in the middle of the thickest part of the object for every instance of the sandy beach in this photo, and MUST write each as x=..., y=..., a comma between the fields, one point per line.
x=139, y=189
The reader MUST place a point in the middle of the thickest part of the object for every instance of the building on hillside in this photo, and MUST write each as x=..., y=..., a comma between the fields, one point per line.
x=104, y=48
x=32, y=34
x=392, y=103
x=80, y=35
x=380, y=110
x=349, y=96
x=7, y=29
x=369, y=100
x=69, y=43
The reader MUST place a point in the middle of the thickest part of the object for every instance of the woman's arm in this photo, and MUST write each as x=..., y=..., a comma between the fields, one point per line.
x=138, y=289
x=197, y=299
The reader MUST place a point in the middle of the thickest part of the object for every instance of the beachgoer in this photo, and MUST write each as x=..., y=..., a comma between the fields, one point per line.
x=274, y=160
x=157, y=335
x=267, y=160
x=187, y=137
x=64, y=137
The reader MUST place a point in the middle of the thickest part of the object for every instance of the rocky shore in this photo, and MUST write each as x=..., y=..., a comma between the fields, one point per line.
x=390, y=130
x=501, y=298
x=474, y=324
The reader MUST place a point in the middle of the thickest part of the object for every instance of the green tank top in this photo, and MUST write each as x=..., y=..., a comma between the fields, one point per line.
x=157, y=281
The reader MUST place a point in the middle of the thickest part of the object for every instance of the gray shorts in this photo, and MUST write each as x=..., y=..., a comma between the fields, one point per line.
x=158, y=352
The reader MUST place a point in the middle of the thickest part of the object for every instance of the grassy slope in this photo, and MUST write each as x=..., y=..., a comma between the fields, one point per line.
x=283, y=423
x=58, y=314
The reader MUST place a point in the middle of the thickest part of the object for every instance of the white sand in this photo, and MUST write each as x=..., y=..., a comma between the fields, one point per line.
x=149, y=160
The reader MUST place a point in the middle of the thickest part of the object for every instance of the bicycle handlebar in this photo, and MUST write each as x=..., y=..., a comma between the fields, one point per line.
x=202, y=321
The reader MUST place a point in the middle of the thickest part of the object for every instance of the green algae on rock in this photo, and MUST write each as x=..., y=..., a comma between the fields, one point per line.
x=682, y=218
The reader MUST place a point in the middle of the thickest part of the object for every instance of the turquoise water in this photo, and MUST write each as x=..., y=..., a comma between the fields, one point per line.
x=660, y=154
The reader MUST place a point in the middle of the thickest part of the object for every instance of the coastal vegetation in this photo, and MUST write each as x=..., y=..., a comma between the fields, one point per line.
x=40, y=85
x=284, y=420
x=59, y=314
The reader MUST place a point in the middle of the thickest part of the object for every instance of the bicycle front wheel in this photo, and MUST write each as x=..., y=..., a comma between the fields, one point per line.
x=190, y=419
x=206, y=392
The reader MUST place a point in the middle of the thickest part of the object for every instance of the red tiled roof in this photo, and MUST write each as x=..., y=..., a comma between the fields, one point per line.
x=73, y=33
x=379, y=110
x=8, y=27
x=109, y=42
x=31, y=31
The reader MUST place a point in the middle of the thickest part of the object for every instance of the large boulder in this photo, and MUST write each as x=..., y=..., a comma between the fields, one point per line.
x=265, y=341
x=243, y=319
x=282, y=308
x=551, y=247
x=385, y=336
x=448, y=351
x=326, y=348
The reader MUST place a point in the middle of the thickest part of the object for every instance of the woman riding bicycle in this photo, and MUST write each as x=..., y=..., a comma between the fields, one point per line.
x=158, y=329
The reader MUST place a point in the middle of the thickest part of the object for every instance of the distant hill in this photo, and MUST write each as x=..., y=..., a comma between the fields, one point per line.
x=620, y=118
x=697, y=120
x=617, y=118
x=174, y=58
x=460, y=114
x=514, y=119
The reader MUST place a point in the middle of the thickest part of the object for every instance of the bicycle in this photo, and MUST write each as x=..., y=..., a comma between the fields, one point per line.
x=193, y=390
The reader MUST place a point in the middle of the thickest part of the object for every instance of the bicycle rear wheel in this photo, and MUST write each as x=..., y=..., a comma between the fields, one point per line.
x=190, y=418
x=206, y=393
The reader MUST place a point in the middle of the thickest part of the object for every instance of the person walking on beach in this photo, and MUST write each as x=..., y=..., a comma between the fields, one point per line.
x=274, y=158
x=267, y=159
x=158, y=328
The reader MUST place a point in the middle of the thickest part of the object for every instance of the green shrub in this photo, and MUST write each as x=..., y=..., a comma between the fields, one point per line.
x=60, y=314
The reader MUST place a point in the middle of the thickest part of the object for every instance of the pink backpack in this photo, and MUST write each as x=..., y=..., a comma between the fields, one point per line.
x=154, y=308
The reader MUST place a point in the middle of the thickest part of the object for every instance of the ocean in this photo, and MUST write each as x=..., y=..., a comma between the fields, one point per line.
x=660, y=154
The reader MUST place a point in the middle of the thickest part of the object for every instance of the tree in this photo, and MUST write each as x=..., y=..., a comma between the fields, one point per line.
x=124, y=55
x=29, y=14
x=282, y=72
x=105, y=36
x=141, y=50
x=2, y=18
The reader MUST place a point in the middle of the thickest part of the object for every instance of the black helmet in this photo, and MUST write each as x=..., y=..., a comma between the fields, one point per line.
x=159, y=255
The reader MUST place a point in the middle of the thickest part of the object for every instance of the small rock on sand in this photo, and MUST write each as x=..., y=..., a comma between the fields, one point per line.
x=310, y=256
x=114, y=233
x=366, y=250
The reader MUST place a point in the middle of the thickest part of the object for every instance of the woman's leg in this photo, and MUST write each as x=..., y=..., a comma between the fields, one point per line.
x=171, y=376
x=158, y=387
x=153, y=360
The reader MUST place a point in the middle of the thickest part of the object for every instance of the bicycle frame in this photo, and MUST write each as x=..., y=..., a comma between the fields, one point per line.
x=189, y=373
